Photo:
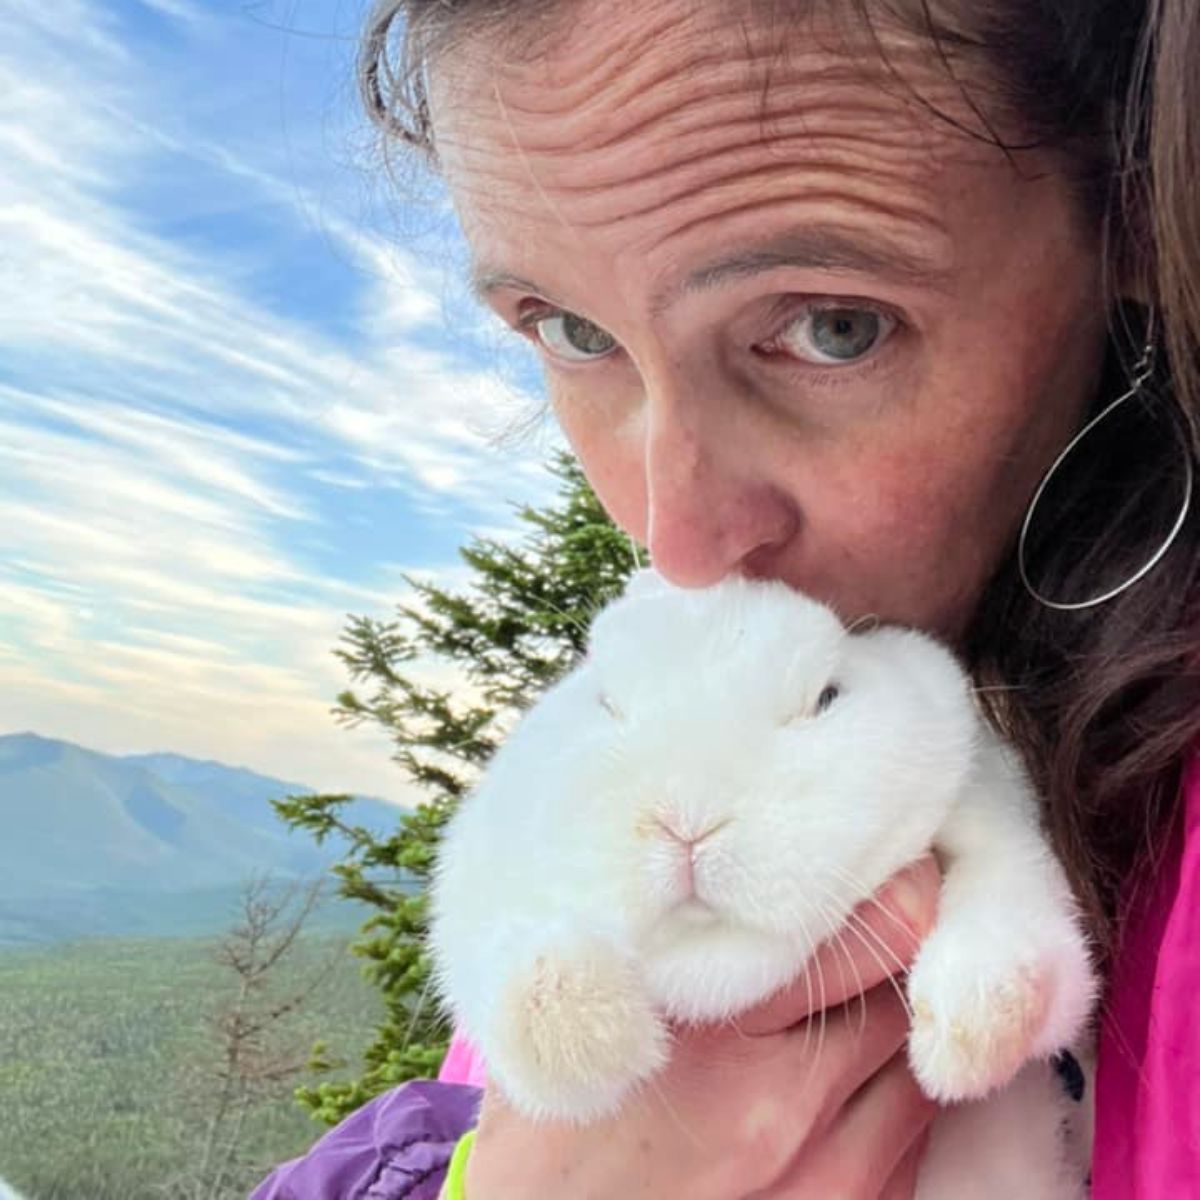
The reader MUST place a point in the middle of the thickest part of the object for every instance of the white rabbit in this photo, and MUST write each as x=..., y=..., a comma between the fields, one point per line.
x=679, y=822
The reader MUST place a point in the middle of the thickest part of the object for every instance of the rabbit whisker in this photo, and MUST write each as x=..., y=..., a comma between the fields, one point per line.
x=839, y=940
x=810, y=956
x=862, y=931
x=673, y=1113
x=880, y=951
x=858, y=890
x=732, y=1023
x=836, y=941
x=815, y=961
x=866, y=894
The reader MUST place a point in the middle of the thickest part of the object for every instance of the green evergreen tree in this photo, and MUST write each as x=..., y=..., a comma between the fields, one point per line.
x=521, y=624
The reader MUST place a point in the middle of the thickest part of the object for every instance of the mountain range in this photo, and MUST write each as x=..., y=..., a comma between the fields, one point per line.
x=149, y=844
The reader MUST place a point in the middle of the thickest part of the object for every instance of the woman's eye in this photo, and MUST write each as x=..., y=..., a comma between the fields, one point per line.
x=573, y=338
x=832, y=335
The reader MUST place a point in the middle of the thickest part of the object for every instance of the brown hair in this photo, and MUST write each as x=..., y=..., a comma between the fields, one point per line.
x=1104, y=703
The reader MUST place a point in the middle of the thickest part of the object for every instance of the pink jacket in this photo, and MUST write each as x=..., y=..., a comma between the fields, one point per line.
x=1148, y=1074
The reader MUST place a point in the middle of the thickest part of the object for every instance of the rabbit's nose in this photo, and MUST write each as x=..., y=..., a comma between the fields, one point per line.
x=685, y=884
x=691, y=840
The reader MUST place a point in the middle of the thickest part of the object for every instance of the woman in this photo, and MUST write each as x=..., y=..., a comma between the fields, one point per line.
x=823, y=290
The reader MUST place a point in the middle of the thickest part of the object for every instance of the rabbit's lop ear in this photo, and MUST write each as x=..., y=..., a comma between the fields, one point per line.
x=646, y=582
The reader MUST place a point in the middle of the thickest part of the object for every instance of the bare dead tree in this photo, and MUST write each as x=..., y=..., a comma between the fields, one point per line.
x=255, y=1057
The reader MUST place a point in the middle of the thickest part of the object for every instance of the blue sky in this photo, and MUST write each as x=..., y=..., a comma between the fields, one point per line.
x=242, y=390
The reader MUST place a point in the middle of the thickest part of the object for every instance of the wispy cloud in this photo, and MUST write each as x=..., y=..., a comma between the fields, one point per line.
x=178, y=10
x=229, y=407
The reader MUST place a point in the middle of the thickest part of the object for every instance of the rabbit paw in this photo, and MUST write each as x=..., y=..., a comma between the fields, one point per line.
x=987, y=998
x=575, y=1032
x=972, y=1029
x=979, y=1016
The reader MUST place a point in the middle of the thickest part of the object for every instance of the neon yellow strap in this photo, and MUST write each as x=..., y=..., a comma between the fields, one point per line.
x=455, y=1187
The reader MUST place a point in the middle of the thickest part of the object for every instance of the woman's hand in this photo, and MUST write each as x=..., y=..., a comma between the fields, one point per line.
x=808, y=1095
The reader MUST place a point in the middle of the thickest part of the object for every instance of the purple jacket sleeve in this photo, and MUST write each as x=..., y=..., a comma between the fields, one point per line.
x=397, y=1147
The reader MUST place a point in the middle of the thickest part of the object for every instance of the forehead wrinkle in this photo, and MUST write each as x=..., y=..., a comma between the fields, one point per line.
x=844, y=130
x=722, y=104
x=553, y=148
x=798, y=139
x=824, y=151
x=661, y=89
x=741, y=191
x=596, y=64
x=640, y=72
x=638, y=46
x=720, y=154
x=665, y=91
x=875, y=186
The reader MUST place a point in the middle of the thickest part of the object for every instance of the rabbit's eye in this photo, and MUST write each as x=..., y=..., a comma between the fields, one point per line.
x=609, y=707
x=828, y=695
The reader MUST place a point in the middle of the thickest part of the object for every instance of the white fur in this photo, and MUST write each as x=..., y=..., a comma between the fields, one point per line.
x=559, y=927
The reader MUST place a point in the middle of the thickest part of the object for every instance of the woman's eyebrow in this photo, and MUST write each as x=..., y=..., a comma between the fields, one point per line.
x=822, y=248
x=486, y=279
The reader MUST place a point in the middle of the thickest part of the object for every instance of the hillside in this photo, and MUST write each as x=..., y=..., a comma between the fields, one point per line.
x=159, y=843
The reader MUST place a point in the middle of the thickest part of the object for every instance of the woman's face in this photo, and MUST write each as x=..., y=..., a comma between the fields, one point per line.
x=795, y=324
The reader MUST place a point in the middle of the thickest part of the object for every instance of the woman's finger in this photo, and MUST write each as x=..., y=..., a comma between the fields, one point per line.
x=880, y=940
x=903, y=1183
x=803, y=1080
x=831, y=1056
x=860, y=1153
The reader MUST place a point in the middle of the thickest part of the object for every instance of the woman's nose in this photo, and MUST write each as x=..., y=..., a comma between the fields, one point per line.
x=710, y=511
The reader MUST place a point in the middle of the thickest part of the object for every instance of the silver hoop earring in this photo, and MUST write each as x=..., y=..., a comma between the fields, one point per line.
x=1142, y=371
